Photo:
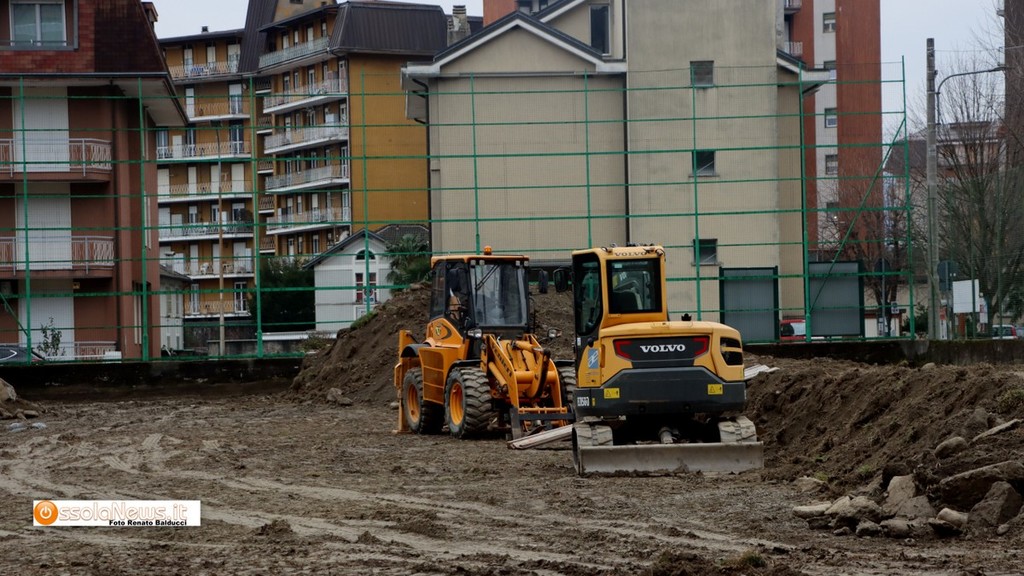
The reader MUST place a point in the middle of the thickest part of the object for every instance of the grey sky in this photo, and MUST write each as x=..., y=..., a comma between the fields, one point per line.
x=960, y=28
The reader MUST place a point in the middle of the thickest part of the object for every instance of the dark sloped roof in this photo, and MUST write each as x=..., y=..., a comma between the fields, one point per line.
x=358, y=235
x=260, y=13
x=393, y=232
x=390, y=27
x=239, y=33
x=497, y=27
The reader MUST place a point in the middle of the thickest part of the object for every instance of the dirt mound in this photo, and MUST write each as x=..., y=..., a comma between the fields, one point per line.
x=846, y=422
x=359, y=362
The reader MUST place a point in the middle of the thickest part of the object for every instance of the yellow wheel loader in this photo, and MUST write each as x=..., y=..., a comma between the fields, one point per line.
x=652, y=395
x=479, y=367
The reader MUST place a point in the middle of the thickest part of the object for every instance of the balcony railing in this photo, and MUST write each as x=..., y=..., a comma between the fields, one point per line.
x=207, y=150
x=795, y=49
x=87, y=253
x=264, y=122
x=201, y=189
x=233, y=266
x=69, y=155
x=264, y=165
x=792, y=5
x=311, y=176
x=301, y=135
x=81, y=350
x=204, y=107
x=311, y=217
x=266, y=202
x=300, y=94
x=228, y=227
x=204, y=70
x=214, y=307
x=298, y=51
x=266, y=244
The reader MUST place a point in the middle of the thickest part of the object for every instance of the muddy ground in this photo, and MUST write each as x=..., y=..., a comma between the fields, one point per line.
x=290, y=483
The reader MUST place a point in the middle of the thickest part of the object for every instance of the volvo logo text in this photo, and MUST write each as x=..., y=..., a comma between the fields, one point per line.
x=664, y=348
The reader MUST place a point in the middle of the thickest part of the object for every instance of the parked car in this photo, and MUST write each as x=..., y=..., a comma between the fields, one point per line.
x=793, y=330
x=15, y=353
x=1004, y=332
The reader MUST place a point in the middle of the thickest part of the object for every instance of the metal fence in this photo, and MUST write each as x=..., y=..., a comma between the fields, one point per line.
x=241, y=232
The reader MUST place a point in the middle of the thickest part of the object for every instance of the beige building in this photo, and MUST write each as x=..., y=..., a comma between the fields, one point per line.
x=593, y=121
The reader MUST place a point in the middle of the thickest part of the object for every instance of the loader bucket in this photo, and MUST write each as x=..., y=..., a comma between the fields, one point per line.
x=669, y=458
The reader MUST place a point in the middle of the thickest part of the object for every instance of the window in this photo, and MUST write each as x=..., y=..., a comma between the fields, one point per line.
x=635, y=285
x=704, y=163
x=240, y=296
x=600, y=28
x=831, y=164
x=828, y=22
x=316, y=244
x=702, y=73
x=832, y=209
x=830, y=65
x=237, y=138
x=38, y=23
x=366, y=291
x=162, y=150
x=831, y=118
x=323, y=30
x=706, y=251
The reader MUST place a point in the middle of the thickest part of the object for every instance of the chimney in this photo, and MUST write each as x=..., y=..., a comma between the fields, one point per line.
x=497, y=9
x=151, y=14
x=206, y=29
x=458, y=24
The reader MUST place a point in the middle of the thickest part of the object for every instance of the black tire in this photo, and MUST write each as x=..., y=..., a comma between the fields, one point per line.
x=468, y=405
x=567, y=376
x=423, y=417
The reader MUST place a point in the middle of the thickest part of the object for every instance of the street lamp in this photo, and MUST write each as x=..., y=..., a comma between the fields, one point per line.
x=931, y=169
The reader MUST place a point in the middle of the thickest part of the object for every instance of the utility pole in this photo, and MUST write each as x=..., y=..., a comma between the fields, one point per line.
x=931, y=167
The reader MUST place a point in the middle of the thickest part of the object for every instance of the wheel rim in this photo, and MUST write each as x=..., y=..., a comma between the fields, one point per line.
x=455, y=406
x=412, y=404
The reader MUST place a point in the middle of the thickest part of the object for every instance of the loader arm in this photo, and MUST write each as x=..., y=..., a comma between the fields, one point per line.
x=524, y=371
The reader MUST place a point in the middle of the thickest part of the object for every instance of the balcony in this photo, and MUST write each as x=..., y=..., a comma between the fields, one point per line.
x=201, y=71
x=267, y=244
x=264, y=124
x=232, y=305
x=307, y=179
x=211, y=109
x=795, y=49
x=319, y=218
x=198, y=191
x=296, y=52
x=295, y=138
x=266, y=203
x=792, y=6
x=86, y=157
x=207, y=151
x=237, y=228
x=200, y=269
x=305, y=96
x=265, y=166
x=87, y=255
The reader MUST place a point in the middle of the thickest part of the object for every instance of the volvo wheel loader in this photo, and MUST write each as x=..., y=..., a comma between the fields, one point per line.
x=652, y=394
x=479, y=366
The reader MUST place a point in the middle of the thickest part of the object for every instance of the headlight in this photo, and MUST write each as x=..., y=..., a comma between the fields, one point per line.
x=475, y=333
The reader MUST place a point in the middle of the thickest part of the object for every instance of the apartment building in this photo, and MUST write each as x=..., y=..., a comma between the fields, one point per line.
x=587, y=122
x=844, y=140
x=297, y=138
x=79, y=267
x=205, y=176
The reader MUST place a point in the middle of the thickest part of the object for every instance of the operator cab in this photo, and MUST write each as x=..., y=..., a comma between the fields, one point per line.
x=489, y=293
